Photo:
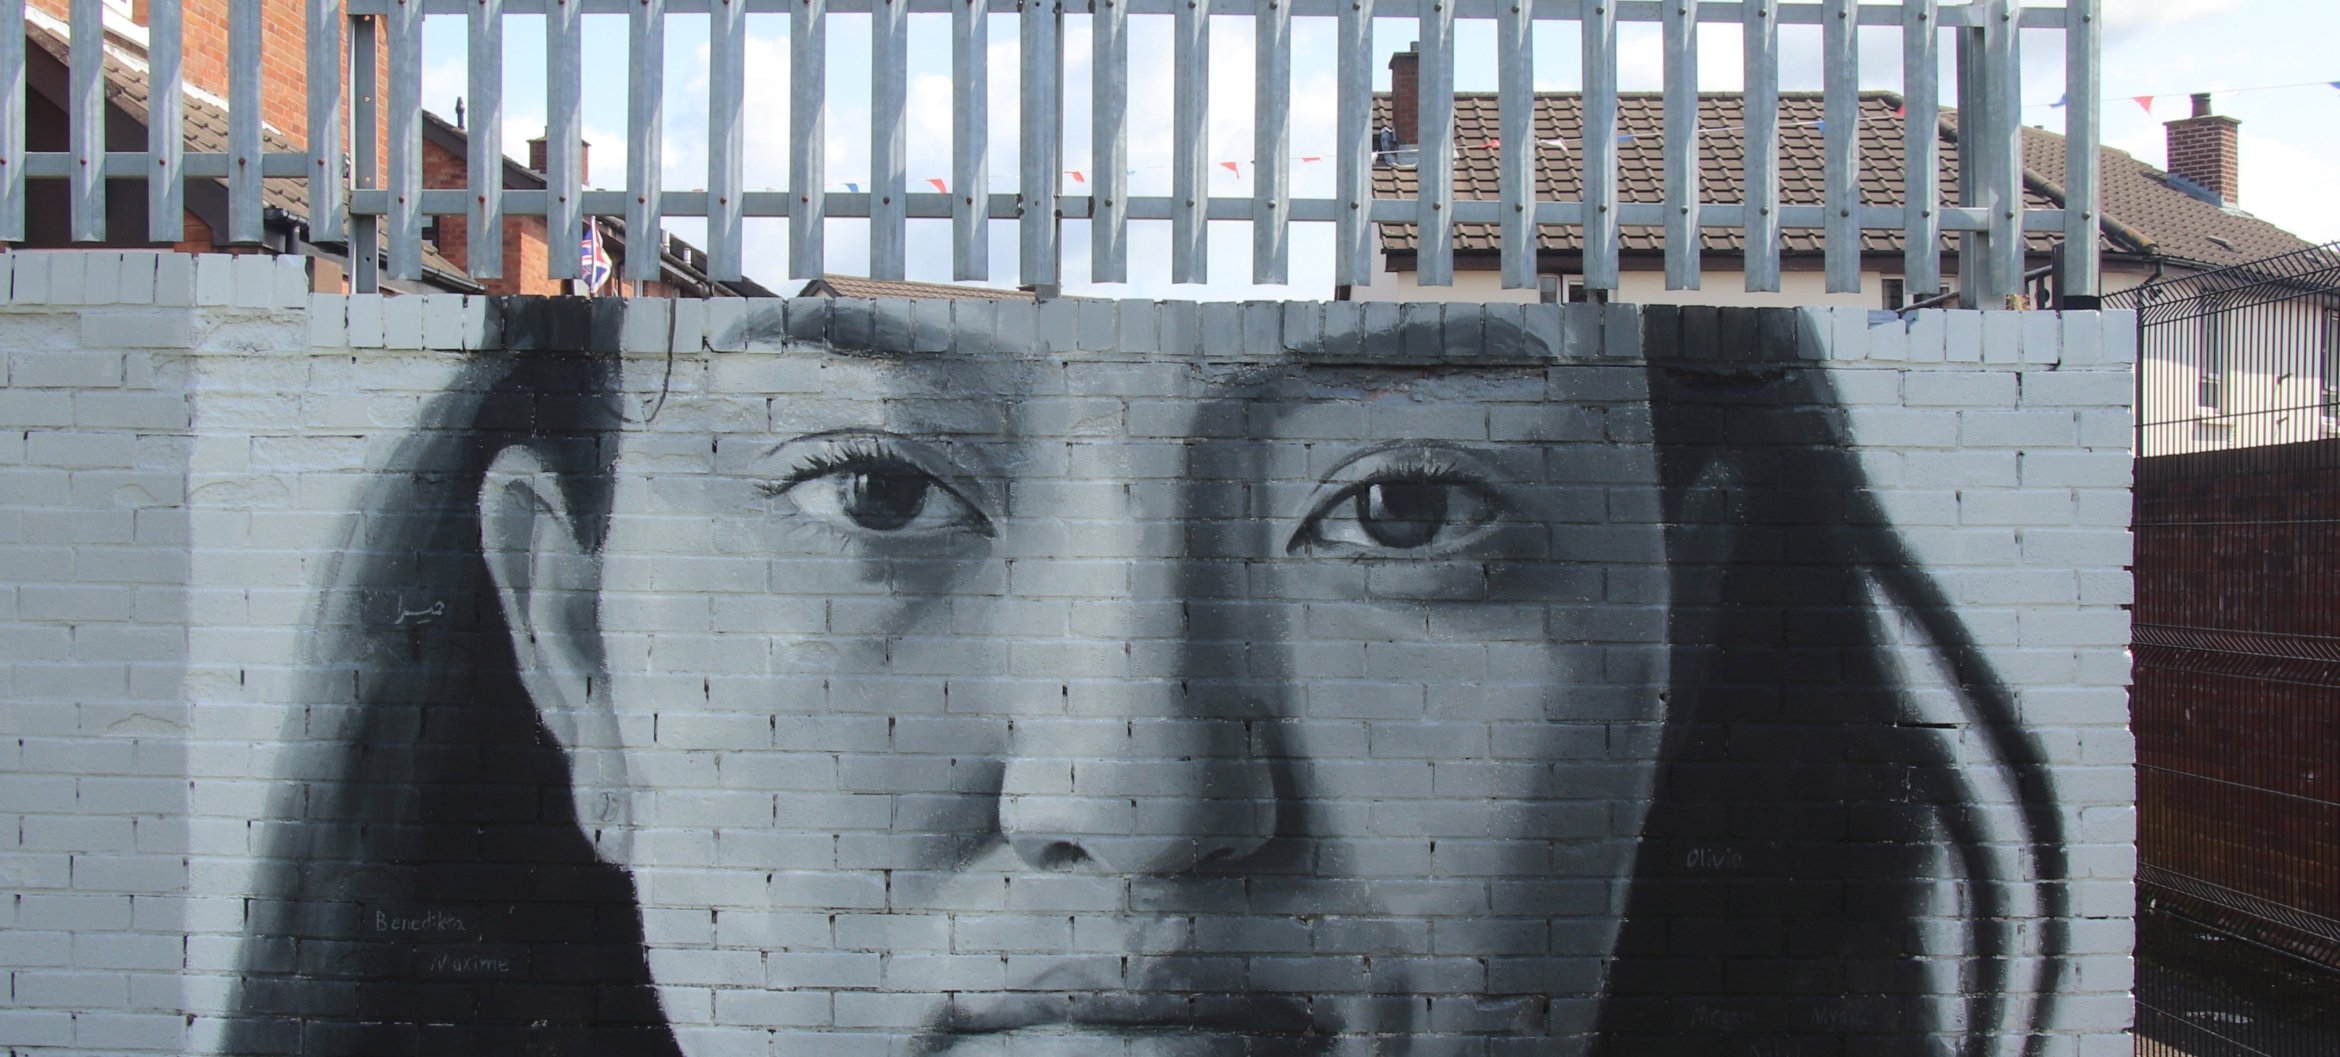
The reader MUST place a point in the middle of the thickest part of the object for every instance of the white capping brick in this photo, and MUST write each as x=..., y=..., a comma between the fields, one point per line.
x=2043, y=337
x=215, y=279
x=365, y=320
x=1543, y=324
x=1889, y=339
x=1058, y=325
x=646, y=325
x=328, y=321
x=30, y=278
x=1382, y=317
x=137, y=277
x=2120, y=336
x=726, y=317
x=2002, y=336
x=1013, y=325
x=2082, y=338
x=1848, y=333
x=1928, y=331
x=69, y=277
x=1138, y=329
x=442, y=321
x=402, y=322
x=1620, y=331
x=930, y=324
x=291, y=280
x=1338, y=329
x=174, y=279
x=475, y=321
x=1962, y=338
x=255, y=280
x=101, y=282
x=691, y=331
x=1098, y=325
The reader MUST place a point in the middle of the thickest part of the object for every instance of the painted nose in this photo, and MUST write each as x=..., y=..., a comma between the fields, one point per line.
x=1146, y=766
x=1148, y=793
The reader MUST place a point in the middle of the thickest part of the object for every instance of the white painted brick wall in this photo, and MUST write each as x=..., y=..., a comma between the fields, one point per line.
x=186, y=436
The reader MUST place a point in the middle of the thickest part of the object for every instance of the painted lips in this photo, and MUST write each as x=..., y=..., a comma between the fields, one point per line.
x=1140, y=1025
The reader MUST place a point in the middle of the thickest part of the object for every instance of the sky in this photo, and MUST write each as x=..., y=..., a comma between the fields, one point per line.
x=2267, y=62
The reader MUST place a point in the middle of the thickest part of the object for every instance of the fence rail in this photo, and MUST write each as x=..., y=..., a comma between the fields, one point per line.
x=2239, y=356
x=1988, y=212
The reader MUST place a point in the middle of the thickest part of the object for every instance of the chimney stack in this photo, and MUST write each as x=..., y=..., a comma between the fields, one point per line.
x=1405, y=94
x=539, y=148
x=2205, y=149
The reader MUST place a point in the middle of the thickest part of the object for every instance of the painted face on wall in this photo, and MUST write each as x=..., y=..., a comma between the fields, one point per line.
x=1027, y=705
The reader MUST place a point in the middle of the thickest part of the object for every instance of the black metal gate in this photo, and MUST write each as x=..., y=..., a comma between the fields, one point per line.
x=2236, y=705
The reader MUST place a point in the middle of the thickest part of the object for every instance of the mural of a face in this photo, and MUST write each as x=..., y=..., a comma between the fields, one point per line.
x=1018, y=705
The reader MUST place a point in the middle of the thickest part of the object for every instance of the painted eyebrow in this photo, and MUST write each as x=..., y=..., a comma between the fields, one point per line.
x=1502, y=342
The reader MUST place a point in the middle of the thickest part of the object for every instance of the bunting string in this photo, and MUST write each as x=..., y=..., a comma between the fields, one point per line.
x=2147, y=101
x=1235, y=167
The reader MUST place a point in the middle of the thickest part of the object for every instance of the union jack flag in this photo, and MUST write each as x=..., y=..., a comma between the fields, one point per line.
x=593, y=261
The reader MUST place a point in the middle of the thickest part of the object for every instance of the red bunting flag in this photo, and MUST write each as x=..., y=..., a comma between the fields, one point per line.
x=1493, y=144
x=2146, y=101
x=1231, y=167
x=1901, y=111
x=939, y=185
x=1311, y=157
x=1078, y=178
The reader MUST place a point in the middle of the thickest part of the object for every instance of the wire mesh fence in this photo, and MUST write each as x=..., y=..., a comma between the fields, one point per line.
x=2238, y=357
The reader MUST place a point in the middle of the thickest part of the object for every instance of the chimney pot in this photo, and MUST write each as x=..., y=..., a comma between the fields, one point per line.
x=2201, y=104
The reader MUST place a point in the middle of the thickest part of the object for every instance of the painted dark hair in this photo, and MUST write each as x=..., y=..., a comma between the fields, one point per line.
x=426, y=889
x=1812, y=804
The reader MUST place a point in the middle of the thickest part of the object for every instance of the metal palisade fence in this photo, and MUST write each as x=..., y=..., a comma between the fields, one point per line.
x=1986, y=210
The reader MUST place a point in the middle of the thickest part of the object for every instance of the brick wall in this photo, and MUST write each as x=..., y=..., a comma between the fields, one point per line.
x=1405, y=94
x=2208, y=151
x=524, y=242
x=1258, y=675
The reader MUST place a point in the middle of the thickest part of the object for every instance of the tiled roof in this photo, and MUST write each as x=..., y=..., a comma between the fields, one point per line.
x=861, y=286
x=2136, y=196
x=2179, y=224
x=204, y=124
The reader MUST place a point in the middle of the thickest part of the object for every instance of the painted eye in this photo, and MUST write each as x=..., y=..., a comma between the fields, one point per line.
x=1399, y=512
x=878, y=494
x=879, y=502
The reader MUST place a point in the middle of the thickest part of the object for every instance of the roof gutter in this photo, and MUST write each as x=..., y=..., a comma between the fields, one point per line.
x=2136, y=241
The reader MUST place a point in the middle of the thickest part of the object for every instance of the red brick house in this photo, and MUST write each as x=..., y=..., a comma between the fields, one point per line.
x=284, y=107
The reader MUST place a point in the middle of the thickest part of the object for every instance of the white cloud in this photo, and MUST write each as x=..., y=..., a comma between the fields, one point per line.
x=2290, y=186
x=2124, y=16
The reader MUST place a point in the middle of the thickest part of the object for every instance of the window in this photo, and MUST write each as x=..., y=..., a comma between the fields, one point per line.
x=2328, y=371
x=1577, y=294
x=1896, y=293
x=2210, y=394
